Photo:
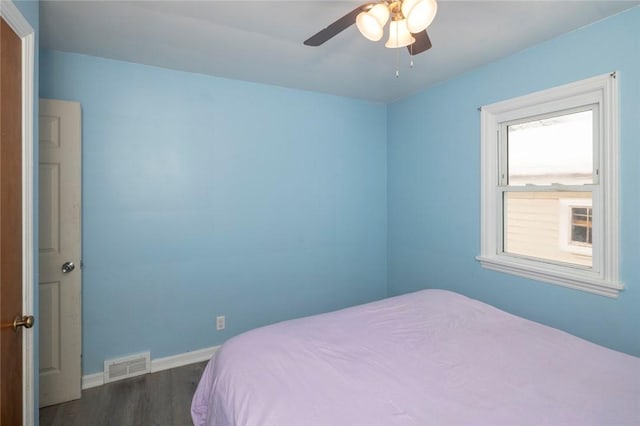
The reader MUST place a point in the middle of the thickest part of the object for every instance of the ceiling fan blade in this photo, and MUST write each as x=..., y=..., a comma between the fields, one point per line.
x=421, y=44
x=337, y=27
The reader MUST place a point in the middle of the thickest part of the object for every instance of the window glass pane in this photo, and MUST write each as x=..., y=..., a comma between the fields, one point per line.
x=551, y=150
x=552, y=226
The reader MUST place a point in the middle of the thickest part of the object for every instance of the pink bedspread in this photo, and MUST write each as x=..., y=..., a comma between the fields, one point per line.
x=428, y=358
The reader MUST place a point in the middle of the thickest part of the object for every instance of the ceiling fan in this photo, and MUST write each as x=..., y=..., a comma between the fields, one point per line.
x=409, y=20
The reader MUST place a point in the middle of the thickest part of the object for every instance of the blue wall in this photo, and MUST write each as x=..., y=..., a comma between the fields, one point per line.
x=434, y=183
x=204, y=196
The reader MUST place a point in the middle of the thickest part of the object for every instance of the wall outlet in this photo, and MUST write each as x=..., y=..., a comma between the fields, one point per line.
x=220, y=323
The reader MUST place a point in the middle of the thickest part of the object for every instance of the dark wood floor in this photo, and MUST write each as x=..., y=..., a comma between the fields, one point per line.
x=162, y=399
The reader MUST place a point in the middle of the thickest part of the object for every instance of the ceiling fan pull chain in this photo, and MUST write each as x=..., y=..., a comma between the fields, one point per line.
x=397, y=55
x=411, y=55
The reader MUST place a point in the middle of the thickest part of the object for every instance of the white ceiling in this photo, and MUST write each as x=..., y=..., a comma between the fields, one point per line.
x=261, y=41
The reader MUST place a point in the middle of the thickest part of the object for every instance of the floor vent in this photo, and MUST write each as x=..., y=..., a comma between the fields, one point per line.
x=122, y=368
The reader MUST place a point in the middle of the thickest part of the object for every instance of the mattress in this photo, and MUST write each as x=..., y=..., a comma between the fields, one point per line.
x=432, y=357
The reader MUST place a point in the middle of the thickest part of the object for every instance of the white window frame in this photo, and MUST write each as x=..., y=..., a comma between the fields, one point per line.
x=603, y=277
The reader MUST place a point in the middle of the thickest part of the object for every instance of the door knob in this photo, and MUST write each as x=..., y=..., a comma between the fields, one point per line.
x=68, y=267
x=25, y=321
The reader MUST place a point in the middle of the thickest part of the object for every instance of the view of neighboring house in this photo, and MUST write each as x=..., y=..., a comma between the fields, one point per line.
x=549, y=225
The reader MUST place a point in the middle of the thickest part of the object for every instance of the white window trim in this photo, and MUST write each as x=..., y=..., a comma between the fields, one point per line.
x=603, y=278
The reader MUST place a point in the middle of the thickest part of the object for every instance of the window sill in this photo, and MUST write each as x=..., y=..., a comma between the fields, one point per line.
x=563, y=276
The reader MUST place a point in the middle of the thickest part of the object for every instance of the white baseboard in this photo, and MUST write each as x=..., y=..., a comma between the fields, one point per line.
x=158, y=364
x=93, y=380
x=179, y=360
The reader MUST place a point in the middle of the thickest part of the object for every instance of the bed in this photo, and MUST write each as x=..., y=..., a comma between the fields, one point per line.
x=432, y=357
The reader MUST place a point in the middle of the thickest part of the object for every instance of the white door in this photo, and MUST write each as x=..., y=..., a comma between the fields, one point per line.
x=60, y=283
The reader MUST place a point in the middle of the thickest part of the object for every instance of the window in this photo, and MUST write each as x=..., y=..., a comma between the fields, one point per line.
x=581, y=224
x=576, y=228
x=550, y=186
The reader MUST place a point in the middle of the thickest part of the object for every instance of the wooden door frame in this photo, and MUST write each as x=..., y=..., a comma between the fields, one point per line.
x=25, y=32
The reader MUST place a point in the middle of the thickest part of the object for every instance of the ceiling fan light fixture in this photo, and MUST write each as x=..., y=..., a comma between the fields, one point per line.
x=371, y=23
x=419, y=13
x=369, y=27
x=381, y=12
x=399, y=35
